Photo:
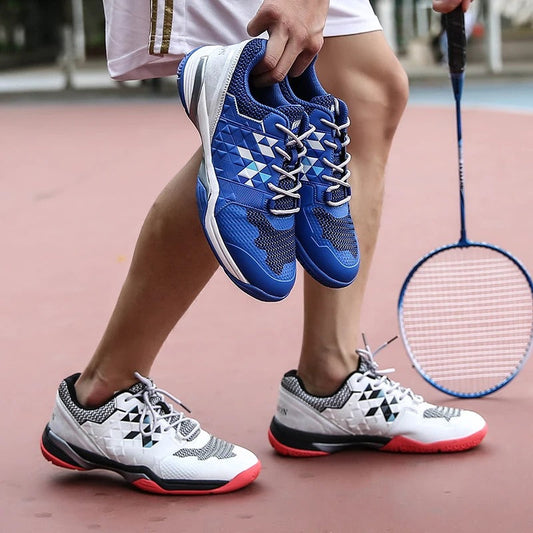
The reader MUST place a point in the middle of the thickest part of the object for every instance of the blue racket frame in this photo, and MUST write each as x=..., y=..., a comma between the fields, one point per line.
x=462, y=243
x=457, y=61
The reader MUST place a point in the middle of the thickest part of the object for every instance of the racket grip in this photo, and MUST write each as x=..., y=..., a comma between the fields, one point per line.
x=454, y=23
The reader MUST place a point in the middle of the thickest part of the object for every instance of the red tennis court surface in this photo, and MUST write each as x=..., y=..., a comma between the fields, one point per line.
x=76, y=182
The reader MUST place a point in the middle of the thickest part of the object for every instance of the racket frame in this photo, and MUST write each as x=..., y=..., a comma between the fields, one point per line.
x=463, y=243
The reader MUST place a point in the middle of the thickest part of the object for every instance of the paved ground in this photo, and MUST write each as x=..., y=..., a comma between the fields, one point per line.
x=76, y=179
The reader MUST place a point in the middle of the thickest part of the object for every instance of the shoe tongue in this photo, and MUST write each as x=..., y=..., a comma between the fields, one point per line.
x=295, y=115
x=325, y=100
x=187, y=429
x=297, y=123
x=332, y=104
x=365, y=365
x=154, y=399
x=136, y=387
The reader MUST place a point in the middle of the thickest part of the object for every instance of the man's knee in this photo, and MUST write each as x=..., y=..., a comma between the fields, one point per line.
x=396, y=88
x=158, y=222
x=363, y=71
x=382, y=92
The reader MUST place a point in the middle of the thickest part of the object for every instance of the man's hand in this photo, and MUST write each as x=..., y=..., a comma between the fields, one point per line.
x=295, y=36
x=445, y=6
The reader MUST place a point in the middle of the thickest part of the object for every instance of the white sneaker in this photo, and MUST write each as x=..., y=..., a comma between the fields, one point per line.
x=368, y=410
x=139, y=435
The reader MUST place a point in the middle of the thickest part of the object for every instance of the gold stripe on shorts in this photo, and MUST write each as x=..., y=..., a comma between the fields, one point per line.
x=153, y=25
x=167, y=25
x=168, y=14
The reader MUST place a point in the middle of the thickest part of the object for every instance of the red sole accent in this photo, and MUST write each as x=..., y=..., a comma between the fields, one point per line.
x=405, y=445
x=238, y=482
x=397, y=444
x=293, y=452
x=58, y=462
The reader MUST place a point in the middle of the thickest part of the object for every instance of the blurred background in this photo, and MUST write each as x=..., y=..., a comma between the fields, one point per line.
x=60, y=44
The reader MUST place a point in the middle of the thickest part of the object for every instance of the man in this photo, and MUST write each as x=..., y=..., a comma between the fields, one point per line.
x=326, y=404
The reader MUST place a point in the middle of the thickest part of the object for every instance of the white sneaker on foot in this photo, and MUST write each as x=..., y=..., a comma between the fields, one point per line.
x=139, y=435
x=368, y=410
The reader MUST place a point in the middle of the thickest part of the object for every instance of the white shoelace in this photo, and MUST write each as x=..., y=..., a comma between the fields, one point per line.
x=162, y=410
x=341, y=168
x=381, y=376
x=297, y=142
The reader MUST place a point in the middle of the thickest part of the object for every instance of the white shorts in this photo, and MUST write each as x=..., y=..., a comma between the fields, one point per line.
x=148, y=42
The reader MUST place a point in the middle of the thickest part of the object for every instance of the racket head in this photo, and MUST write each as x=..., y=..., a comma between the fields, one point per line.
x=466, y=318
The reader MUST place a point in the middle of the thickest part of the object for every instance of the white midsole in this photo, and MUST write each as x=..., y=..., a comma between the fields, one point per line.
x=202, y=114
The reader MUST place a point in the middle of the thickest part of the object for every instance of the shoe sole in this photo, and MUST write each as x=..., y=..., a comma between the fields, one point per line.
x=302, y=444
x=65, y=455
x=191, y=75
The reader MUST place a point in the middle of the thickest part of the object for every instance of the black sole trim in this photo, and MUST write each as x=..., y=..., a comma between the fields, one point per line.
x=76, y=456
x=303, y=440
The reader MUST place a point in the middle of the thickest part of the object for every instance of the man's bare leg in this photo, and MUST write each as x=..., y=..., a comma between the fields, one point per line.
x=172, y=261
x=171, y=265
x=373, y=84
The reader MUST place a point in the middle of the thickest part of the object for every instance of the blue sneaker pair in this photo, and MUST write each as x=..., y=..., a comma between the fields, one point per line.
x=272, y=186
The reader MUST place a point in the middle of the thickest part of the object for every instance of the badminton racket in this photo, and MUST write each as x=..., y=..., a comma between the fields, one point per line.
x=466, y=309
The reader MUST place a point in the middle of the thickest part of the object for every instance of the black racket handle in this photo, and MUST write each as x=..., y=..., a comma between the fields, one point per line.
x=454, y=23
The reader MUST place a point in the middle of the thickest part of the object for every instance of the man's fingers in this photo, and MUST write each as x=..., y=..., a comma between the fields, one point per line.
x=258, y=24
x=273, y=54
x=305, y=58
x=285, y=56
x=262, y=21
x=446, y=6
x=277, y=70
x=295, y=37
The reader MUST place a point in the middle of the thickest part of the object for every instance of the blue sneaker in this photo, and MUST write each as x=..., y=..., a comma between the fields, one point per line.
x=248, y=183
x=326, y=241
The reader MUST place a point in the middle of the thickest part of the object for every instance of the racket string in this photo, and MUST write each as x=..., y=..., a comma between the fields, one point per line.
x=466, y=318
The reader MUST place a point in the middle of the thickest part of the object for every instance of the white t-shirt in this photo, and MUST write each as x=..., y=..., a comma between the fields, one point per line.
x=148, y=39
